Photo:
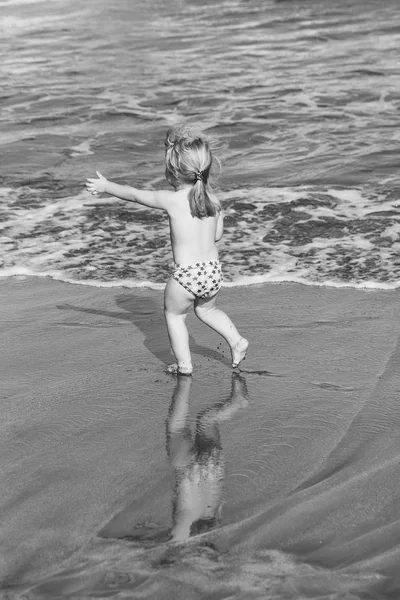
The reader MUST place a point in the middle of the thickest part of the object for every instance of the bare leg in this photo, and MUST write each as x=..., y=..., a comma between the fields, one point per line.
x=215, y=318
x=177, y=301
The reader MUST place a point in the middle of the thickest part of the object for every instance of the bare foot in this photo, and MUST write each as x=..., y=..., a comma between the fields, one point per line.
x=239, y=352
x=175, y=369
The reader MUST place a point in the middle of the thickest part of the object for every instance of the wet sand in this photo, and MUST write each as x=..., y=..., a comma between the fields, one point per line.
x=296, y=459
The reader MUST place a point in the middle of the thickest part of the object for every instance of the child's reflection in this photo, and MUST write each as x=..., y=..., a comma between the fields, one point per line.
x=197, y=457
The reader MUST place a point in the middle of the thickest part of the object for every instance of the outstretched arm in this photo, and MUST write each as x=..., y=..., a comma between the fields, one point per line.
x=154, y=199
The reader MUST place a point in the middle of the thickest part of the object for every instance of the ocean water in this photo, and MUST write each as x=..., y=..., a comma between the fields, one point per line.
x=304, y=94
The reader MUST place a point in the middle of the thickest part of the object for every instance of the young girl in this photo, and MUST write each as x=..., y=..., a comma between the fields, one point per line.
x=196, y=223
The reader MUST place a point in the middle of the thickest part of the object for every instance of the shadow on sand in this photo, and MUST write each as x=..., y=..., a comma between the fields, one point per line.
x=147, y=315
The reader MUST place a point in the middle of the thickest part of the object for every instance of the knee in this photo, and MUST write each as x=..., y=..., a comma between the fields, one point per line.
x=168, y=314
x=168, y=309
x=172, y=316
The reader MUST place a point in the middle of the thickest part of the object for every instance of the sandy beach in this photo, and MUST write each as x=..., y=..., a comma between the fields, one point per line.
x=309, y=476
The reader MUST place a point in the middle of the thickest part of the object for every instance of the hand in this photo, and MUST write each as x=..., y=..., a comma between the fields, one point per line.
x=96, y=186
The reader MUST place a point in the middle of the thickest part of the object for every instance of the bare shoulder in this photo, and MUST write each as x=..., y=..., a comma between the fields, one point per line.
x=165, y=199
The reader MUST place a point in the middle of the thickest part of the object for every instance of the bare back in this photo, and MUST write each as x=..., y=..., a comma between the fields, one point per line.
x=192, y=239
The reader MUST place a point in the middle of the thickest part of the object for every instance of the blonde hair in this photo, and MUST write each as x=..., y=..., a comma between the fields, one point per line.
x=188, y=160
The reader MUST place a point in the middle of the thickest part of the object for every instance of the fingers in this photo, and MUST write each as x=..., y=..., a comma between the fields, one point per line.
x=93, y=179
x=91, y=184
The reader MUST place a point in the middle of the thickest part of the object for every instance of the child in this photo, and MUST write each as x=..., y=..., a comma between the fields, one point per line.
x=196, y=223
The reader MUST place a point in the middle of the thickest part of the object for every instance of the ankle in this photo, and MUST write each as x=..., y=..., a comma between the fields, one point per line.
x=185, y=368
x=239, y=342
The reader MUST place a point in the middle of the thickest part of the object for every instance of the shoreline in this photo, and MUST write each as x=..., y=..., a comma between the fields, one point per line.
x=257, y=280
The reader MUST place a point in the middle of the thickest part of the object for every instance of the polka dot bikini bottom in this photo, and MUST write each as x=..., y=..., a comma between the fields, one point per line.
x=202, y=279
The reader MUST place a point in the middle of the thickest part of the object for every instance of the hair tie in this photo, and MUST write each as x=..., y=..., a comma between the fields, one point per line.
x=199, y=175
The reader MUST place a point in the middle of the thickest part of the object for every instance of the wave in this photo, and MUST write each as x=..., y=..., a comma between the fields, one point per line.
x=24, y=273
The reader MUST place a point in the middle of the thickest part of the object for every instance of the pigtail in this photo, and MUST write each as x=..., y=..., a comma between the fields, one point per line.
x=200, y=202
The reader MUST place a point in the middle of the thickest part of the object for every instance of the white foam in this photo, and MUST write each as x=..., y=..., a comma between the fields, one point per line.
x=65, y=239
x=286, y=278
x=24, y=273
x=82, y=149
x=243, y=281
x=393, y=231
